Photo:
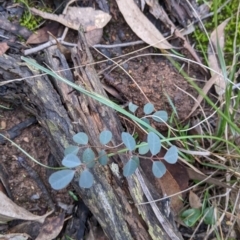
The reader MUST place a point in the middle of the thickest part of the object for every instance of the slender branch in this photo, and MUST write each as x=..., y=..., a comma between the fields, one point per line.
x=60, y=40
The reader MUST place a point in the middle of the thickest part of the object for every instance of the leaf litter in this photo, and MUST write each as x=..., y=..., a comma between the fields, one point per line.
x=139, y=23
x=88, y=17
x=144, y=40
x=10, y=211
x=216, y=80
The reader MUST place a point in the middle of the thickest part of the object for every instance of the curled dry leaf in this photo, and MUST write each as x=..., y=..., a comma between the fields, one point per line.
x=88, y=17
x=217, y=39
x=194, y=200
x=169, y=187
x=216, y=80
x=51, y=227
x=175, y=181
x=141, y=25
x=9, y=211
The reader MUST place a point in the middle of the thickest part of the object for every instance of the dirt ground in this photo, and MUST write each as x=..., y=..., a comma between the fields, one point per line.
x=156, y=78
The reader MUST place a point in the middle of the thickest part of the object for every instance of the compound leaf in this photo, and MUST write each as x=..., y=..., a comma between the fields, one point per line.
x=129, y=141
x=61, y=179
x=154, y=143
x=103, y=158
x=191, y=216
x=158, y=169
x=171, y=155
x=71, y=161
x=160, y=116
x=143, y=149
x=130, y=168
x=132, y=107
x=105, y=137
x=148, y=108
x=80, y=138
x=71, y=149
x=86, y=179
x=88, y=157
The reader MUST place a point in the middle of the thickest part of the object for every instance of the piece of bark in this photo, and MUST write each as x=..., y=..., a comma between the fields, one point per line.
x=15, y=29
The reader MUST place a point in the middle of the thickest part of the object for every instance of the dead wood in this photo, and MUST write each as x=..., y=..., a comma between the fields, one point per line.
x=62, y=113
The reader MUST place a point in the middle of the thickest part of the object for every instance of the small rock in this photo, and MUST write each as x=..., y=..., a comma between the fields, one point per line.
x=26, y=139
x=3, y=124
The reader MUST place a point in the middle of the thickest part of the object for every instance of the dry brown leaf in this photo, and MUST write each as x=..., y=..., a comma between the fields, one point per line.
x=194, y=200
x=94, y=37
x=139, y=23
x=3, y=48
x=216, y=79
x=175, y=180
x=88, y=17
x=217, y=37
x=41, y=35
x=112, y=91
x=170, y=186
x=51, y=228
x=179, y=173
x=9, y=211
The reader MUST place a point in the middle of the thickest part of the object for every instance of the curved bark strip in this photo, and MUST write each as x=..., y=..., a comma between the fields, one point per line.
x=62, y=113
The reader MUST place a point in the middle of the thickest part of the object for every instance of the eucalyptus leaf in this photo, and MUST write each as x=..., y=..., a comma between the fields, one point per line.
x=88, y=157
x=171, y=155
x=160, y=116
x=71, y=161
x=129, y=141
x=71, y=149
x=132, y=107
x=148, y=108
x=158, y=169
x=154, y=143
x=81, y=138
x=103, y=158
x=105, y=137
x=61, y=179
x=86, y=179
x=130, y=167
x=143, y=149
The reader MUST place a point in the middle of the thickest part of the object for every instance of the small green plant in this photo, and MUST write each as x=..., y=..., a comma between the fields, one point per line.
x=227, y=11
x=28, y=20
x=81, y=166
x=192, y=215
